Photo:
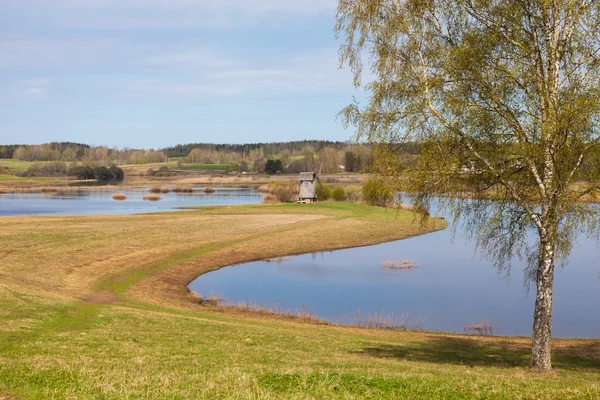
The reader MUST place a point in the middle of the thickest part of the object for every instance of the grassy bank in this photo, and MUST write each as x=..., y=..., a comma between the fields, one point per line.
x=96, y=307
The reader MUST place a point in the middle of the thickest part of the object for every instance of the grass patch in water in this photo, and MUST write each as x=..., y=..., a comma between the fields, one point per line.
x=152, y=197
x=119, y=197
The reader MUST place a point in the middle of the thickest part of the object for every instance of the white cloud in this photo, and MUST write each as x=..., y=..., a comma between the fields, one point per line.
x=169, y=14
x=36, y=93
x=108, y=54
x=246, y=6
x=216, y=75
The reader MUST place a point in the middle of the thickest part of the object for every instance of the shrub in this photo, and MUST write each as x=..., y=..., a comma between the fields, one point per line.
x=375, y=192
x=100, y=173
x=182, y=189
x=272, y=166
x=208, y=189
x=152, y=197
x=338, y=194
x=119, y=197
x=162, y=171
x=286, y=193
x=323, y=192
x=82, y=172
x=116, y=173
x=5, y=171
x=353, y=193
x=53, y=167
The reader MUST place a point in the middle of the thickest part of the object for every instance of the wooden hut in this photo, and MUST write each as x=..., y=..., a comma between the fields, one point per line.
x=308, y=187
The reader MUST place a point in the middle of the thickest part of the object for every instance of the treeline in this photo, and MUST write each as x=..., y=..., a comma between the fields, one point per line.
x=286, y=157
x=307, y=158
x=183, y=150
x=71, y=152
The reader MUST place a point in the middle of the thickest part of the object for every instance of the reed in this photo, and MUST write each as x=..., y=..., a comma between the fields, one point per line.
x=399, y=265
x=209, y=189
x=483, y=328
x=152, y=197
x=182, y=189
x=155, y=189
x=49, y=190
x=389, y=321
x=303, y=314
x=119, y=197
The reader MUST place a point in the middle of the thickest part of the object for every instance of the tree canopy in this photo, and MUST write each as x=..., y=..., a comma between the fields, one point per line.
x=503, y=99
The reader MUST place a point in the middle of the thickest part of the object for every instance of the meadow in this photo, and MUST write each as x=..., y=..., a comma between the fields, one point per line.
x=97, y=307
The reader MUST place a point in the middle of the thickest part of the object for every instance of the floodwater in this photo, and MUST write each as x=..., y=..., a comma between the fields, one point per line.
x=450, y=289
x=86, y=202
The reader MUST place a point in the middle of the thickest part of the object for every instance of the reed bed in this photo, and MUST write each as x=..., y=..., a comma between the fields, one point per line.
x=182, y=189
x=483, y=328
x=152, y=197
x=119, y=197
x=389, y=321
x=209, y=190
x=399, y=265
x=303, y=314
x=279, y=192
x=48, y=190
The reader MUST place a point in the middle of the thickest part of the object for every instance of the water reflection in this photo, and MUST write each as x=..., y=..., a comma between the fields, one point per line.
x=86, y=202
x=452, y=290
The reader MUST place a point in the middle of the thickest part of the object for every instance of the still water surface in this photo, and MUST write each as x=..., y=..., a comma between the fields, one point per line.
x=449, y=290
x=86, y=202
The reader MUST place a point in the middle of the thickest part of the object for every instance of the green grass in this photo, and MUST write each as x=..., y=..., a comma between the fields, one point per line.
x=59, y=341
x=205, y=167
x=15, y=165
x=99, y=351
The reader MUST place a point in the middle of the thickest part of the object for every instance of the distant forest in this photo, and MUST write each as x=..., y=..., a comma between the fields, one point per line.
x=327, y=156
x=183, y=150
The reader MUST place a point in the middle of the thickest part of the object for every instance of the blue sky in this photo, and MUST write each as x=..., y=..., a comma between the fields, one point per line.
x=153, y=73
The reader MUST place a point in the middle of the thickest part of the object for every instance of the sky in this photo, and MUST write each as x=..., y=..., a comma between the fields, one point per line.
x=154, y=73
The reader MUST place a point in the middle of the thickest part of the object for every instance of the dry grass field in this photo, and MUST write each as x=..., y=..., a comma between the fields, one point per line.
x=97, y=307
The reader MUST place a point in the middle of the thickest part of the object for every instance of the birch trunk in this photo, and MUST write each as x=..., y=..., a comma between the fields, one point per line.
x=541, y=351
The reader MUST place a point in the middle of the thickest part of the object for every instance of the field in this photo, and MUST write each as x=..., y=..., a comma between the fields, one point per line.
x=96, y=307
x=205, y=167
x=15, y=165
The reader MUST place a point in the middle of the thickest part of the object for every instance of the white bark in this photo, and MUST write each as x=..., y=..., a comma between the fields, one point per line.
x=541, y=351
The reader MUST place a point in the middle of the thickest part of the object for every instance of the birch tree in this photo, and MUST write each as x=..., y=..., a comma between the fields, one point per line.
x=503, y=99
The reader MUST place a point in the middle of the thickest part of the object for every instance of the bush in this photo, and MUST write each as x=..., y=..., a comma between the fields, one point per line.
x=162, y=171
x=100, y=173
x=116, y=173
x=53, y=167
x=273, y=166
x=353, y=193
x=286, y=192
x=375, y=192
x=182, y=189
x=338, y=194
x=81, y=172
x=323, y=192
